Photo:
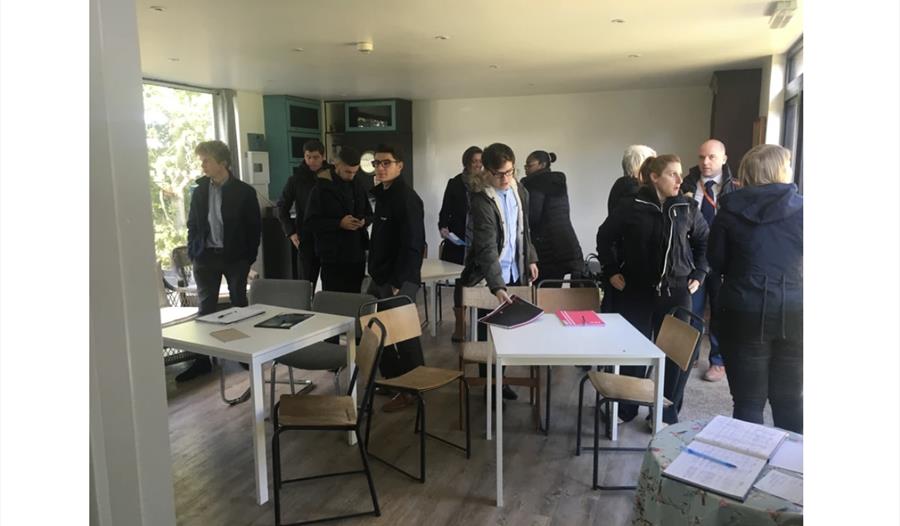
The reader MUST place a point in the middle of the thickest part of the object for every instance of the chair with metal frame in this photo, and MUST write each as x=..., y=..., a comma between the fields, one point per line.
x=679, y=340
x=582, y=294
x=402, y=324
x=331, y=413
x=482, y=353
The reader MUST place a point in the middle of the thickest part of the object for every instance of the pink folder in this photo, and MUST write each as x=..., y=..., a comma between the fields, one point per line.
x=579, y=317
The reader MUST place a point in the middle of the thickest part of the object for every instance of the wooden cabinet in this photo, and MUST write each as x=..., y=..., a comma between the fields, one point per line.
x=290, y=122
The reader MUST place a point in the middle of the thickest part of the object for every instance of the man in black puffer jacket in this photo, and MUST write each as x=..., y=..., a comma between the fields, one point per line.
x=337, y=213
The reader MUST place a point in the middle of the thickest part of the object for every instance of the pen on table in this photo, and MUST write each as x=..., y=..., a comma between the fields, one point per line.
x=220, y=316
x=583, y=322
x=710, y=458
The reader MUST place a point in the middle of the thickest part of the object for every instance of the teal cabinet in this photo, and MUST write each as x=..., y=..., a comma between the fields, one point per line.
x=290, y=121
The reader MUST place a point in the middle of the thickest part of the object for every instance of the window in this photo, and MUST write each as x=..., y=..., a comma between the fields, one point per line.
x=176, y=120
x=792, y=135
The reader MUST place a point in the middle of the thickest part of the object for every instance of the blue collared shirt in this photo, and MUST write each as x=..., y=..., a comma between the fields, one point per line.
x=510, y=208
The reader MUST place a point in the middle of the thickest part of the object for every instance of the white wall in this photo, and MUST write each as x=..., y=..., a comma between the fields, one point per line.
x=249, y=112
x=130, y=462
x=771, y=103
x=588, y=132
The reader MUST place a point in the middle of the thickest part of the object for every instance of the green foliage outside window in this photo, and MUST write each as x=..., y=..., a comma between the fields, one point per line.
x=176, y=120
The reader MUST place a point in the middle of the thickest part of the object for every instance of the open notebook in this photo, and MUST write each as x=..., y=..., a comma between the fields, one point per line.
x=514, y=313
x=726, y=457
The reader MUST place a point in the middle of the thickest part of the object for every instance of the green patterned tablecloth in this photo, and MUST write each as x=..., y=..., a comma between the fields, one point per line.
x=661, y=501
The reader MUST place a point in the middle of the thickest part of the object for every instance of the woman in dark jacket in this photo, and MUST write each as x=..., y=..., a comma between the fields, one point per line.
x=653, y=250
x=756, y=243
x=452, y=220
x=548, y=216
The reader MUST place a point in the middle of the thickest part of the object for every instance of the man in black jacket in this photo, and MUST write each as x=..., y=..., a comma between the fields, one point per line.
x=223, y=235
x=395, y=256
x=706, y=183
x=337, y=214
x=296, y=194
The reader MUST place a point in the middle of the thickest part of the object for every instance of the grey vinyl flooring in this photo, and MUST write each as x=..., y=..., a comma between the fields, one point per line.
x=545, y=483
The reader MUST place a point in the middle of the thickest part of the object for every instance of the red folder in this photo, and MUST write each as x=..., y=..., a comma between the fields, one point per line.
x=579, y=317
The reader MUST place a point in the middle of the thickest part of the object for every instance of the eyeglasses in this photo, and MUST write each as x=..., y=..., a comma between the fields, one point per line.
x=508, y=173
x=386, y=163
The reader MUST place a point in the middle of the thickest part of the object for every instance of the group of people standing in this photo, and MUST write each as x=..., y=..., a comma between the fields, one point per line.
x=668, y=241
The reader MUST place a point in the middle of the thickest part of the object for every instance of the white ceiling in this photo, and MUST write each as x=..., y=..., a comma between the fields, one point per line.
x=538, y=47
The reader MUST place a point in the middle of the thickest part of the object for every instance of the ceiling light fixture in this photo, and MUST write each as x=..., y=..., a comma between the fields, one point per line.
x=494, y=66
x=441, y=37
x=158, y=8
x=298, y=50
x=174, y=59
x=617, y=21
x=781, y=13
x=634, y=55
x=365, y=47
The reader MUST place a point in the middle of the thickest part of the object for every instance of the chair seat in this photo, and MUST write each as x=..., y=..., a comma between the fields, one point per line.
x=620, y=387
x=316, y=410
x=422, y=379
x=477, y=352
x=317, y=357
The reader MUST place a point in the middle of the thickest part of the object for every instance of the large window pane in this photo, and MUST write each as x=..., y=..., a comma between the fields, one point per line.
x=176, y=120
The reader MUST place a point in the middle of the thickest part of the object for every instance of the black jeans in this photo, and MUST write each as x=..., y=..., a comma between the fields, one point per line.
x=308, y=264
x=209, y=267
x=404, y=356
x=343, y=277
x=759, y=370
x=709, y=290
x=645, y=309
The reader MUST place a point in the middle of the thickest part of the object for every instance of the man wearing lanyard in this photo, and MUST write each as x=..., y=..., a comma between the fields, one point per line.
x=706, y=183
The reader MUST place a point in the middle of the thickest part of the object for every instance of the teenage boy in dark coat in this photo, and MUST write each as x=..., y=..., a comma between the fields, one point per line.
x=395, y=255
x=337, y=213
x=296, y=194
x=224, y=227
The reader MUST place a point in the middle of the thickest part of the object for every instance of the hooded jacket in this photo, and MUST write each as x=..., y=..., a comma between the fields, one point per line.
x=756, y=243
x=398, y=235
x=296, y=194
x=660, y=246
x=487, y=235
x=329, y=201
x=241, y=220
x=548, y=218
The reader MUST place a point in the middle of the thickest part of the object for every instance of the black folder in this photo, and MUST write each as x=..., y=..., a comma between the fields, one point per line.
x=514, y=313
x=283, y=321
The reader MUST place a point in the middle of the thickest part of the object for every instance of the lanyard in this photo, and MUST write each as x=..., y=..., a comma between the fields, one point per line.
x=707, y=196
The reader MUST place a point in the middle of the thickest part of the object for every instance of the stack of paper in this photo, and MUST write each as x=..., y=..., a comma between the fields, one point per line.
x=232, y=315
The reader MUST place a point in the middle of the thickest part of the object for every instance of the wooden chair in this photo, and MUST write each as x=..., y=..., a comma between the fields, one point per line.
x=331, y=413
x=475, y=352
x=582, y=294
x=678, y=340
x=402, y=324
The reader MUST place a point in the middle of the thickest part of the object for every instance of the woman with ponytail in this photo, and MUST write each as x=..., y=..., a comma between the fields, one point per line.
x=653, y=250
x=558, y=250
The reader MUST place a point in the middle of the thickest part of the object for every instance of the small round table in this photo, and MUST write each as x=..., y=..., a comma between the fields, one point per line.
x=661, y=501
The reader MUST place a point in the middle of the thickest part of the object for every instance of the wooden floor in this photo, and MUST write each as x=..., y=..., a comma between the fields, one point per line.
x=544, y=482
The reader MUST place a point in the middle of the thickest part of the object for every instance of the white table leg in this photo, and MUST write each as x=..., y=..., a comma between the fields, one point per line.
x=659, y=366
x=351, y=366
x=432, y=306
x=614, y=414
x=489, y=392
x=259, y=432
x=499, y=386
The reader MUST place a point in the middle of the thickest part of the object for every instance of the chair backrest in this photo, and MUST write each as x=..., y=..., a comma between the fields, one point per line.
x=481, y=297
x=401, y=322
x=677, y=339
x=342, y=304
x=161, y=287
x=181, y=262
x=288, y=293
x=581, y=298
x=368, y=355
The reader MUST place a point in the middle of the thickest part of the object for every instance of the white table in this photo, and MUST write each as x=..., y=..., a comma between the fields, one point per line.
x=262, y=345
x=547, y=341
x=433, y=272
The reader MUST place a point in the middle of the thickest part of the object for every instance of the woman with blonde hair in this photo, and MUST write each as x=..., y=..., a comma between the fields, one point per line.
x=756, y=243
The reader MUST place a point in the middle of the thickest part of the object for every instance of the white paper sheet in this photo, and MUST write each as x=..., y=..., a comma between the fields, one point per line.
x=752, y=439
x=232, y=315
x=732, y=482
x=780, y=484
x=789, y=455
